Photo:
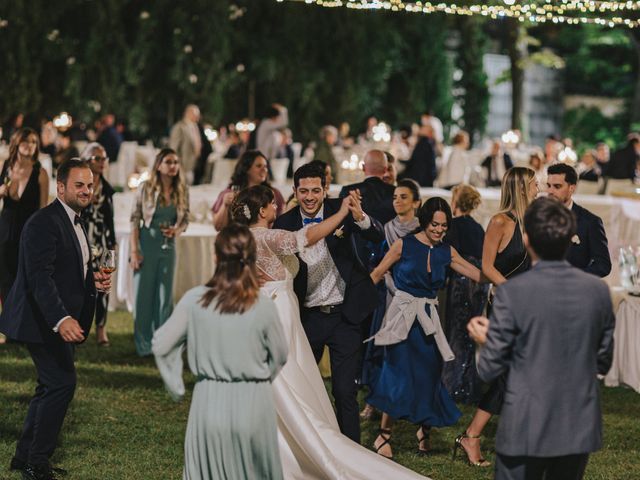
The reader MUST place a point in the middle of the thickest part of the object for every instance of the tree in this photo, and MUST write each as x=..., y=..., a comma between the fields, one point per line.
x=473, y=83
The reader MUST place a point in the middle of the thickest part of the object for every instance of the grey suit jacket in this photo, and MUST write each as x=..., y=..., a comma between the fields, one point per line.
x=552, y=331
x=181, y=140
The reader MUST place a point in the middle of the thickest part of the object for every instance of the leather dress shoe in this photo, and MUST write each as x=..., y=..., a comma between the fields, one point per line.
x=41, y=472
x=20, y=465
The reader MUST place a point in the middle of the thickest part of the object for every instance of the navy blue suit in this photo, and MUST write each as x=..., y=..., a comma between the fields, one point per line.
x=49, y=286
x=339, y=327
x=589, y=252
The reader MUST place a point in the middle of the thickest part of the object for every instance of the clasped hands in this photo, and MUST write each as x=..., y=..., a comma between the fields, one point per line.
x=353, y=202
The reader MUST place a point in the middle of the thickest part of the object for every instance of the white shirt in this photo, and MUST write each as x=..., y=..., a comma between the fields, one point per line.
x=84, y=247
x=325, y=286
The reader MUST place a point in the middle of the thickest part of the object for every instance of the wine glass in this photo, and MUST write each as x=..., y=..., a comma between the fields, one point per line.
x=165, y=241
x=108, y=263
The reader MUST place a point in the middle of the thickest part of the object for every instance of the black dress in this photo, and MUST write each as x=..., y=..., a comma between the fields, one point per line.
x=465, y=299
x=14, y=215
x=511, y=261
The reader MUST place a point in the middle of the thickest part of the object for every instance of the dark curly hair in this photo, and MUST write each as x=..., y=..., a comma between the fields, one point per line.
x=245, y=162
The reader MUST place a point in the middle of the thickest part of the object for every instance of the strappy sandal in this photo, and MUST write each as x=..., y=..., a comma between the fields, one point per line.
x=458, y=443
x=425, y=437
x=385, y=435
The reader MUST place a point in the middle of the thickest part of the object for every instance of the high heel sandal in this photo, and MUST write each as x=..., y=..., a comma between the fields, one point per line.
x=426, y=437
x=458, y=443
x=385, y=435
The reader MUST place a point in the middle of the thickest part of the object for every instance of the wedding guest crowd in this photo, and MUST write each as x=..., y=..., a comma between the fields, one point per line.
x=321, y=264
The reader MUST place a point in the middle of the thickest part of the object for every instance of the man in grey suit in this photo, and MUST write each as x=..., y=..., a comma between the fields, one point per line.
x=185, y=139
x=553, y=339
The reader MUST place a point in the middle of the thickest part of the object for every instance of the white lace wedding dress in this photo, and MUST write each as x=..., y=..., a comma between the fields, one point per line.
x=311, y=445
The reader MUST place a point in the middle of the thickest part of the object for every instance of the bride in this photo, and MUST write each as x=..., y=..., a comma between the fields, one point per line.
x=310, y=443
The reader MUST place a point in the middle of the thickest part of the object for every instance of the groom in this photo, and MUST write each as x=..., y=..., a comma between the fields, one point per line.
x=334, y=291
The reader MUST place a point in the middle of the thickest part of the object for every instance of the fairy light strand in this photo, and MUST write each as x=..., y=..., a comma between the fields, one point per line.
x=570, y=12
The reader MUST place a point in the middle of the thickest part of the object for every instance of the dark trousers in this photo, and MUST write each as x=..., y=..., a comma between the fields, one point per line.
x=48, y=407
x=568, y=467
x=344, y=341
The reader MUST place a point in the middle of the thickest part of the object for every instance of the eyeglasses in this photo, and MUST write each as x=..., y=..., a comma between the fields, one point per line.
x=97, y=158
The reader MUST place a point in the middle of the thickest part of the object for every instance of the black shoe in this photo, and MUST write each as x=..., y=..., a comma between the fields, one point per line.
x=20, y=465
x=41, y=472
x=17, y=464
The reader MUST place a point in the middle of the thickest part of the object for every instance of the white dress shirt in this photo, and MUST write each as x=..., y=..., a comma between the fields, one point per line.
x=325, y=286
x=84, y=247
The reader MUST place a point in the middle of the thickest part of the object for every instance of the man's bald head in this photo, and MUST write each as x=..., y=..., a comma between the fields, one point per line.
x=375, y=163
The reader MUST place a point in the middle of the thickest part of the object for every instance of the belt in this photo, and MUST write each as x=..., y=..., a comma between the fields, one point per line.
x=327, y=308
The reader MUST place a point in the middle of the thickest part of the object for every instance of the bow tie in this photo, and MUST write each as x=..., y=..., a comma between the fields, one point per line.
x=77, y=220
x=307, y=221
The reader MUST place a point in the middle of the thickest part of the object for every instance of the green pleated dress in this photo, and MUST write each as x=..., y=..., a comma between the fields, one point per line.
x=231, y=431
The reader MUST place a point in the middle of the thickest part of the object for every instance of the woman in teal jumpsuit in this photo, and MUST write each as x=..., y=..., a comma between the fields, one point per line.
x=159, y=215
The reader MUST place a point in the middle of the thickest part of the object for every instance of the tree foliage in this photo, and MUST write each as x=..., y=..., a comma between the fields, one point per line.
x=144, y=60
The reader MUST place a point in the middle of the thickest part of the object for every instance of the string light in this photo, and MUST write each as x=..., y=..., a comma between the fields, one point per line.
x=570, y=12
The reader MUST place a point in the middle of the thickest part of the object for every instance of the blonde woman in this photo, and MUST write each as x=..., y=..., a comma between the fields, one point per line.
x=159, y=215
x=503, y=256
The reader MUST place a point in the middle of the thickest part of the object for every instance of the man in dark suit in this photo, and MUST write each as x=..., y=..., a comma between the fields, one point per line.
x=49, y=309
x=377, y=199
x=334, y=290
x=588, y=250
x=496, y=164
x=552, y=350
x=377, y=196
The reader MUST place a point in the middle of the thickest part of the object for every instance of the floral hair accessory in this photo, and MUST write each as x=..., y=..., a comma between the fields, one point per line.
x=246, y=212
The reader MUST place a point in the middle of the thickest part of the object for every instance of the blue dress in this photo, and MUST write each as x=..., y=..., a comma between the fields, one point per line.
x=409, y=386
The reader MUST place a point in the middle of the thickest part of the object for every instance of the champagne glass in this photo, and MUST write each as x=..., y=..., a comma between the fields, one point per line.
x=165, y=241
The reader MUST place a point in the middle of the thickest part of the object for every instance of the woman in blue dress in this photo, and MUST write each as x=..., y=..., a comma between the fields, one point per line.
x=409, y=385
x=406, y=202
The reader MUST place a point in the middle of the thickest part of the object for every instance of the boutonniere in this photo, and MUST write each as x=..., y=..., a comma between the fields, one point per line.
x=339, y=232
x=575, y=239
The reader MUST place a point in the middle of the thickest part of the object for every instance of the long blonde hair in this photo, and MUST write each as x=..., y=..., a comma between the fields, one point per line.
x=514, y=195
x=178, y=185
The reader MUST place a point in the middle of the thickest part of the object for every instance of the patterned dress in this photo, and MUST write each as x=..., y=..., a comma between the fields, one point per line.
x=98, y=221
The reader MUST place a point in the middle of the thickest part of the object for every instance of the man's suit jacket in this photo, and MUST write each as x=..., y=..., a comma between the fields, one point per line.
x=377, y=198
x=182, y=140
x=50, y=283
x=359, y=290
x=552, y=330
x=588, y=250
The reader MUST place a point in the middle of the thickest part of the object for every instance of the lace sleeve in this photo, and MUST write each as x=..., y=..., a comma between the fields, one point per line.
x=283, y=242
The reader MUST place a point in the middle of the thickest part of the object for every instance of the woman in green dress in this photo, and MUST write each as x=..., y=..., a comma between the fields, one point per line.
x=235, y=348
x=160, y=214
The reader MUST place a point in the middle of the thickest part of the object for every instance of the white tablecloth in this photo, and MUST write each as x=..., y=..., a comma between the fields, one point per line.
x=625, y=368
x=194, y=263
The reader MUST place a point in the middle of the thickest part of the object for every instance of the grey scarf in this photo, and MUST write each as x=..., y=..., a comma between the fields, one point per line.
x=395, y=229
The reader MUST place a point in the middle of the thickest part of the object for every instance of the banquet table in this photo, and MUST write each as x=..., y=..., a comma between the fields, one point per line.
x=625, y=369
x=194, y=263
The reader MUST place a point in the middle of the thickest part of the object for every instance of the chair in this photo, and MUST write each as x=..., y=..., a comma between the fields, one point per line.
x=585, y=187
x=616, y=185
x=222, y=171
x=279, y=170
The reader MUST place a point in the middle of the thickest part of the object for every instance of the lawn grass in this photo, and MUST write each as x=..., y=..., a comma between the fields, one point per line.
x=123, y=426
